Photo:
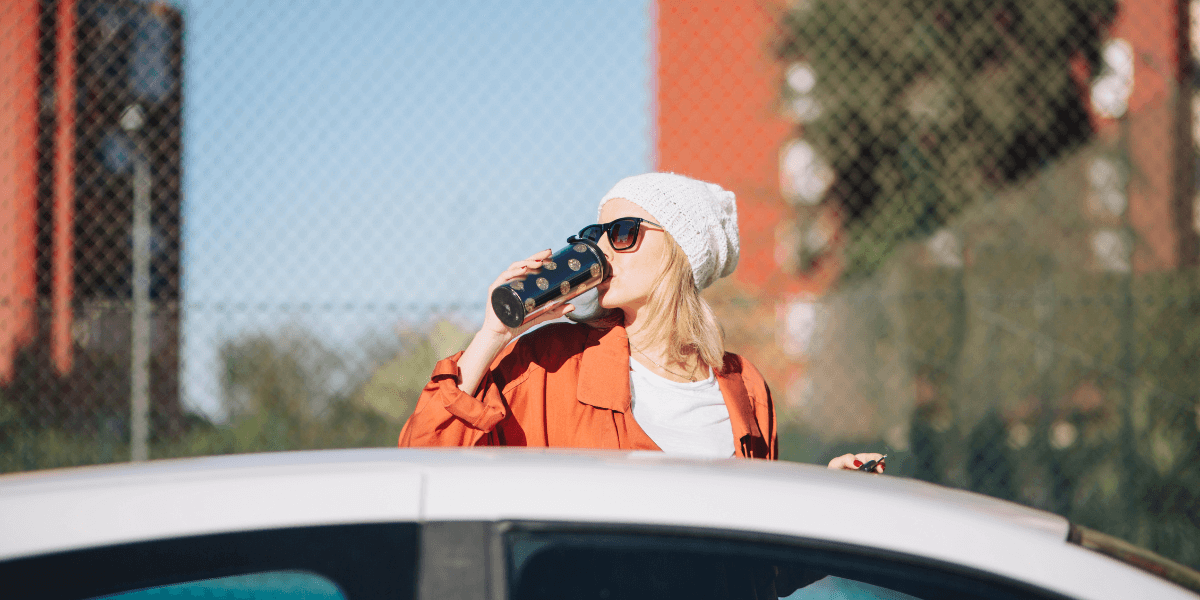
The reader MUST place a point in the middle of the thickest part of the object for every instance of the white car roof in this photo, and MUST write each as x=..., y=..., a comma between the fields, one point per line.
x=59, y=510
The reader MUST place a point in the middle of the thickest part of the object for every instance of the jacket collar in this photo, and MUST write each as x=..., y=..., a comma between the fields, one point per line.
x=737, y=400
x=604, y=370
x=604, y=380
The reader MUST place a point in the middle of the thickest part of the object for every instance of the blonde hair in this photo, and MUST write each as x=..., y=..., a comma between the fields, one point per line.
x=680, y=317
x=677, y=314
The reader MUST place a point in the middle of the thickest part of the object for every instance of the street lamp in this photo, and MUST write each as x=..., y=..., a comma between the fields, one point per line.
x=132, y=120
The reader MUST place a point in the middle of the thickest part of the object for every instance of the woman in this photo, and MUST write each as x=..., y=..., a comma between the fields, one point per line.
x=652, y=375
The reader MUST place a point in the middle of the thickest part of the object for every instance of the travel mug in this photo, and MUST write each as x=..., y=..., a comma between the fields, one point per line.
x=568, y=273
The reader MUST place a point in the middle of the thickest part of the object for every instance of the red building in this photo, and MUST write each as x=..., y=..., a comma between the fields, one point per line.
x=19, y=110
x=70, y=69
x=1156, y=133
x=718, y=117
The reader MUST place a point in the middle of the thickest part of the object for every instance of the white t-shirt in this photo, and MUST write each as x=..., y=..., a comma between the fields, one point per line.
x=682, y=418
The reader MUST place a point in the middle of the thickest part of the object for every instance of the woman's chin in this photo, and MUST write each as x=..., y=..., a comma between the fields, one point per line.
x=602, y=299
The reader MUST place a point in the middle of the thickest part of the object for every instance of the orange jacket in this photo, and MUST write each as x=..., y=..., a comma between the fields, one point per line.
x=567, y=385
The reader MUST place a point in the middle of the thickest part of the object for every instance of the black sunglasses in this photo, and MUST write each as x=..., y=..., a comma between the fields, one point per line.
x=622, y=233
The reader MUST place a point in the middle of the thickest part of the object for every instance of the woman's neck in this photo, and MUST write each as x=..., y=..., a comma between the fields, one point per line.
x=654, y=354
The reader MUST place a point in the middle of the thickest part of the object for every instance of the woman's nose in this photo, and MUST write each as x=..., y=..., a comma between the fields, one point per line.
x=605, y=247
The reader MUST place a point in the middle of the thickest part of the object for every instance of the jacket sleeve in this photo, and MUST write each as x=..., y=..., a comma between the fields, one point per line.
x=447, y=416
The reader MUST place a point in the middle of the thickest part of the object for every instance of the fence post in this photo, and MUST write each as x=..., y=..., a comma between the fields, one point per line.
x=139, y=372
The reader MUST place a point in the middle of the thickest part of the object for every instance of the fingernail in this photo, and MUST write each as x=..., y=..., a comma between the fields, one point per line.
x=858, y=463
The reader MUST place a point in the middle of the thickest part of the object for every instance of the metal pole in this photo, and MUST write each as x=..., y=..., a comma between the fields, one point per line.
x=139, y=376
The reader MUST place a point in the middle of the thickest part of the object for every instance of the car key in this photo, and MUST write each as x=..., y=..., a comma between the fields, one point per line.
x=869, y=466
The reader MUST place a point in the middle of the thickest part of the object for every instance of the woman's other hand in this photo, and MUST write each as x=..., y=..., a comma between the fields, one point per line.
x=495, y=335
x=851, y=462
x=492, y=325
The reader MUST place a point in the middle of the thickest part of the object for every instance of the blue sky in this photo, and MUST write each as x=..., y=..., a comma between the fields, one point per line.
x=352, y=165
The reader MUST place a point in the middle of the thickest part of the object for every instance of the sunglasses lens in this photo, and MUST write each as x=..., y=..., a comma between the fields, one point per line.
x=591, y=232
x=624, y=234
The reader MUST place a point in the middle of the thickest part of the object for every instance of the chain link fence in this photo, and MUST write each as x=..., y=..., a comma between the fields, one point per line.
x=1014, y=188
x=969, y=228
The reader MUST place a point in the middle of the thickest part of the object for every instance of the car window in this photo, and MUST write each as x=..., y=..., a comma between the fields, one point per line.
x=374, y=560
x=837, y=588
x=548, y=564
x=271, y=585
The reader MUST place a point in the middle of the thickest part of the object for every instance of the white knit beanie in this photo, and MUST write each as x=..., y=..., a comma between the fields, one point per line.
x=702, y=217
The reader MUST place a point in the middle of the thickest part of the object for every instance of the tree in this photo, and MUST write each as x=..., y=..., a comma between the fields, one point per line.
x=289, y=390
x=923, y=106
x=393, y=389
x=287, y=375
